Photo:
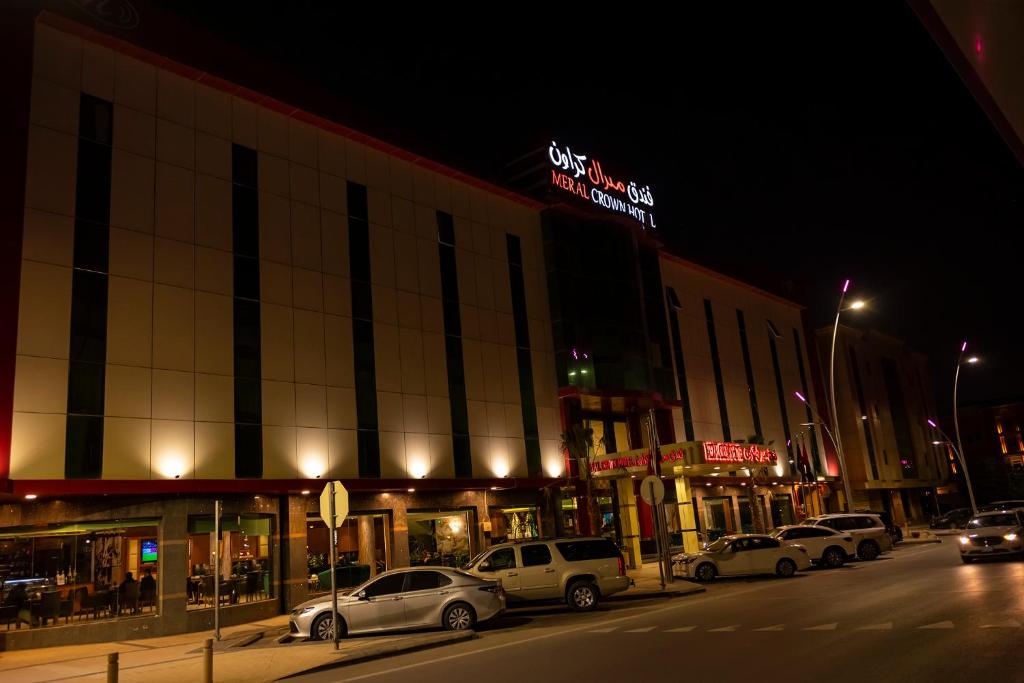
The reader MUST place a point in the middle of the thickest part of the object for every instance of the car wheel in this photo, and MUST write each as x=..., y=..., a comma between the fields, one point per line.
x=323, y=628
x=706, y=572
x=833, y=557
x=785, y=568
x=868, y=550
x=458, y=617
x=581, y=596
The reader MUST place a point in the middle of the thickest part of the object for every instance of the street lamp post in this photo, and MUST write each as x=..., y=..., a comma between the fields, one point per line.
x=835, y=443
x=837, y=439
x=956, y=422
x=960, y=457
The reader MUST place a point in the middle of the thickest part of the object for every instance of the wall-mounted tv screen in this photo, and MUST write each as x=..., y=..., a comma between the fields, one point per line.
x=149, y=551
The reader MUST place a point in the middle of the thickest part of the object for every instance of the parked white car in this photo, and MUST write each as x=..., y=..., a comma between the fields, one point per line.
x=826, y=547
x=742, y=554
x=868, y=531
x=989, y=534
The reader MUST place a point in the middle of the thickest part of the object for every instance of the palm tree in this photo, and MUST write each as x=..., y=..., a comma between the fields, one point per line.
x=578, y=442
x=756, y=510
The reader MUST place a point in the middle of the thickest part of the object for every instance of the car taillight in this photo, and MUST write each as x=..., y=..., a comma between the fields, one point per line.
x=493, y=588
x=622, y=565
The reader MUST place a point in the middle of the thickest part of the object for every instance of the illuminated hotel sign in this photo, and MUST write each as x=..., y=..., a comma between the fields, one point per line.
x=584, y=177
x=715, y=451
x=691, y=454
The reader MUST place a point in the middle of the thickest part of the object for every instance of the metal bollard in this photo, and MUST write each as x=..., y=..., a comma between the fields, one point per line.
x=208, y=661
x=112, y=667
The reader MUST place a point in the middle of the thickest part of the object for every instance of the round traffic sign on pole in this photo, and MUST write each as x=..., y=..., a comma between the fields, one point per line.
x=652, y=490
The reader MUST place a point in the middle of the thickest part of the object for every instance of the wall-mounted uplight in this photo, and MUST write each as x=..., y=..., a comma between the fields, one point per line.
x=30, y=496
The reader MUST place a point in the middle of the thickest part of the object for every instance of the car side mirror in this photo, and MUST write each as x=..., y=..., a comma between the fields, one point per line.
x=361, y=595
x=485, y=567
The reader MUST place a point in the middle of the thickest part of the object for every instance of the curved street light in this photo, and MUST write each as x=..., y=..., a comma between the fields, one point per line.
x=960, y=457
x=835, y=443
x=970, y=360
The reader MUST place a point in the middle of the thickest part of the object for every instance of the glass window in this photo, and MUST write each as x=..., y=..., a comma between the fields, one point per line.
x=386, y=585
x=439, y=538
x=244, y=571
x=513, y=524
x=818, y=533
x=363, y=543
x=535, y=555
x=578, y=551
x=502, y=559
x=759, y=543
x=424, y=580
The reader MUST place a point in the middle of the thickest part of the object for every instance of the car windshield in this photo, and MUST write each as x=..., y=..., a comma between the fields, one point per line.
x=992, y=520
x=776, y=532
x=472, y=563
x=810, y=521
x=718, y=545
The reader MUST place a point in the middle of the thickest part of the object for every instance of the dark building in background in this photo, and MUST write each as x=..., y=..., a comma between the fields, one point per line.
x=994, y=447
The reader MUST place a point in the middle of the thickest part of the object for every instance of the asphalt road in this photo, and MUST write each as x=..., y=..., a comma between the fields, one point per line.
x=917, y=614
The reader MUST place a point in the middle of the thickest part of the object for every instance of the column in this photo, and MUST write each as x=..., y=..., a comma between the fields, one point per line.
x=367, y=543
x=629, y=522
x=687, y=518
x=295, y=570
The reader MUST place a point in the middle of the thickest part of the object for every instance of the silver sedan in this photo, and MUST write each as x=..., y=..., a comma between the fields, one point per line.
x=419, y=597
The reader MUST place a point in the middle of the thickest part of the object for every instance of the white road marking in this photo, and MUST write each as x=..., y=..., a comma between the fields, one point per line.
x=645, y=629
x=776, y=627
x=823, y=627
x=724, y=629
x=1009, y=623
x=887, y=626
x=937, y=624
x=602, y=630
x=681, y=629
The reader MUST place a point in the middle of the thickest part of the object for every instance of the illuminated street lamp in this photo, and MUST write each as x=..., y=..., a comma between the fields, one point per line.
x=959, y=456
x=971, y=360
x=835, y=443
x=837, y=439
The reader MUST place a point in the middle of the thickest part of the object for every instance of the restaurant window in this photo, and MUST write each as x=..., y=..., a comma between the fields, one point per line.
x=363, y=544
x=245, y=568
x=782, y=509
x=439, y=538
x=69, y=573
x=716, y=517
x=514, y=524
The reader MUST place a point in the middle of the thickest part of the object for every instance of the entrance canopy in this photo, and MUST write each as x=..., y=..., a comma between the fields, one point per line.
x=689, y=458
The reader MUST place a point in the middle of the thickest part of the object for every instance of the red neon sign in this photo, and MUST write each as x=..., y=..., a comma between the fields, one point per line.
x=717, y=451
x=571, y=172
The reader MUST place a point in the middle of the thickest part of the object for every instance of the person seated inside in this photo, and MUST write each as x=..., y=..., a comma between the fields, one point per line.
x=147, y=586
x=122, y=587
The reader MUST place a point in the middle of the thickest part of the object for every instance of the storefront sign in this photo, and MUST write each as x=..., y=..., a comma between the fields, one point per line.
x=638, y=459
x=584, y=177
x=716, y=451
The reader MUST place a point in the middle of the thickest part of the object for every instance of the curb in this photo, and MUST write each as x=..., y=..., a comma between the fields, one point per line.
x=388, y=649
x=623, y=597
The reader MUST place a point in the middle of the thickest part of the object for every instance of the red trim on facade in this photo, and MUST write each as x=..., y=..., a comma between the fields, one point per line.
x=145, y=487
x=728, y=280
x=132, y=50
x=16, y=55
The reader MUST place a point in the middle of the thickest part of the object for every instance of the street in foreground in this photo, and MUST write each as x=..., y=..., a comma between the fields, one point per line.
x=915, y=614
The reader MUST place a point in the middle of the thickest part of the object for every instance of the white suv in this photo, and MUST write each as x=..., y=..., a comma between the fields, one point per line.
x=868, y=531
x=579, y=571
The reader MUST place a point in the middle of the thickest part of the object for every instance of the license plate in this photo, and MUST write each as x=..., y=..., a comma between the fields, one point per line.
x=986, y=549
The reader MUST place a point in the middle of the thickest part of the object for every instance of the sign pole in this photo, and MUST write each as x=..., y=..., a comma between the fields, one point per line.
x=334, y=558
x=216, y=570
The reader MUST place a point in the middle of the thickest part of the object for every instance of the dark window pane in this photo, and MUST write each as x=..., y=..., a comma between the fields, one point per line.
x=247, y=338
x=92, y=184
x=462, y=457
x=502, y=559
x=357, y=205
x=85, y=388
x=248, y=451
x=247, y=277
x=579, y=551
x=83, y=454
x=368, y=446
x=359, y=249
x=92, y=246
x=247, y=400
x=245, y=209
x=535, y=555
x=243, y=166
x=95, y=119
x=362, y=300
x=452, y=317
x=386, y=585
x=88, y=316
x=445, y=229
x=515, y=250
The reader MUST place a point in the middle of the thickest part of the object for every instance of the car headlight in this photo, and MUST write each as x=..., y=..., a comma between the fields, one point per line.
x=964, y=540
x=1010, y=536
x=299, y=611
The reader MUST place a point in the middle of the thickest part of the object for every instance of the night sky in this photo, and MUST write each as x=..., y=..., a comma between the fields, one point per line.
x=791, y=148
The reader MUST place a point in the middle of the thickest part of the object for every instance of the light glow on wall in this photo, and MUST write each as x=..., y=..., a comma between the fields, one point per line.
x=312, y=464
x=170, y=465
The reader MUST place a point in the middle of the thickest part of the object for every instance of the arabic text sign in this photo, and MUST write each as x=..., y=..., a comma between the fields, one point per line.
x=584, y=177
x=715, y=451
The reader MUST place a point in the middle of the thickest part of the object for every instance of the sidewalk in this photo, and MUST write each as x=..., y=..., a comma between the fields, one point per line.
x=248, y=652
x=918, y=535
x=647, y=584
